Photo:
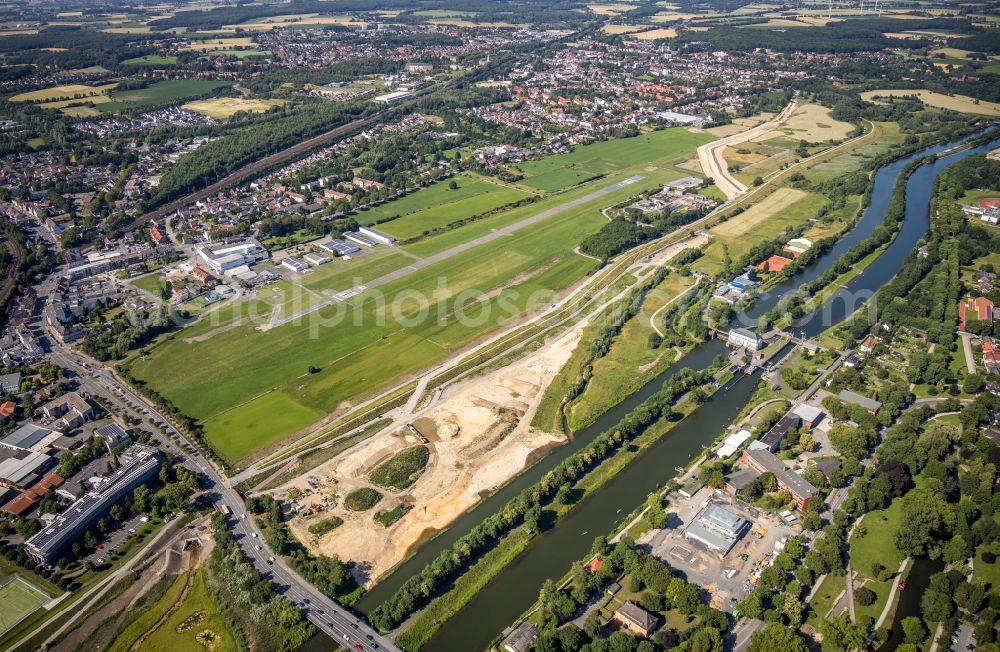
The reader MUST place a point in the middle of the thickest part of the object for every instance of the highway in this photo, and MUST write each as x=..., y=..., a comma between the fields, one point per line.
x=100, y=382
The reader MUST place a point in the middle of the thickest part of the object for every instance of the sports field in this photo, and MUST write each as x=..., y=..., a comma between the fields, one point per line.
x=669, y=146
x=172, y=90
x=438, y=205
x=19, y=599
x=959, y=103
x=222, y=108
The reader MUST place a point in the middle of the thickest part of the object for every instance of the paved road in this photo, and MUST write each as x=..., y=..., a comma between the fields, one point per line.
x=465, y=246
x=714, y=165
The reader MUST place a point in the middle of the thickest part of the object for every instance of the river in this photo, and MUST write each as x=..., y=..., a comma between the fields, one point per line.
x=552, y=552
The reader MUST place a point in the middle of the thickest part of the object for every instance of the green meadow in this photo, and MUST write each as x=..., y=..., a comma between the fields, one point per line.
x=252, y=388
x=668, y=146
x=172, y=90
x=438, y=205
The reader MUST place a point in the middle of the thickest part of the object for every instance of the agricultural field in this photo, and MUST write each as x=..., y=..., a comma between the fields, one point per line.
x=668, y=146
x=438, y=205
x=20, y=598
x=814, y=124
x=220, y=44
x=223, y=108
x=68, y=92
x=164, y=92
x=656, y=34
x=959, y=103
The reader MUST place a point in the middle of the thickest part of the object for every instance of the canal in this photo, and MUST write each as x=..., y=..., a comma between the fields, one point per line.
x=917, y=581
x=551, y=553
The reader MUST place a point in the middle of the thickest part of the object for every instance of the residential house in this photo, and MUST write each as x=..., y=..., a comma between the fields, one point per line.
x=636, y=619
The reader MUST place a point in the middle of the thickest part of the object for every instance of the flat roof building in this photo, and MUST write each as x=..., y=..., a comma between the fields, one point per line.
x=811, y=416
x=764, y=461
x=20, y=469
x=360, y=238
x=314, y=258
x=10, y=382
x=374, y=234
x=25, y=437
x=138, y=464
x=295, y=264
x=717, y=528
x=772, y=438
x=391, y=98
x=339, y=247
x=223, y=258
x=733, y=443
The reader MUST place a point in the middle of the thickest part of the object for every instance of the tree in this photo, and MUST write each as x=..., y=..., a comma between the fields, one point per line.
x=757, y=181
x=914, y=630
x=865, y=596
x=973, y=384
x=706, y=639
x=452, y=185
x=775, y=636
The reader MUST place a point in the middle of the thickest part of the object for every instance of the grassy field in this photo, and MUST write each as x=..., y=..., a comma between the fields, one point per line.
x=770, y=206
x=151, y=60
x=438, y=205
x=196, y=625
x=630, y=361
x=366, y=351
x=172, y=90
x=220, y=44
x=66, y=92
x=380, y=337
x=563, y=170
x=959, y=103
x=20, y=598
x=222, y=108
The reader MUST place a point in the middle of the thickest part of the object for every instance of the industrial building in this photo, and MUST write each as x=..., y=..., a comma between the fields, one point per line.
x=763, y=461
x=360, y=238
x=21, y=468
x=717, y=528
x=295, y=264
x=26, y=436
x=339, y=248
x=316, y=259
x=391, y=98
x=138, y=464
x=225, y=257
x=378, y=236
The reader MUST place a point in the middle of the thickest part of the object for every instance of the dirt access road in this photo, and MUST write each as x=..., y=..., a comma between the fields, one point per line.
x=713, y=163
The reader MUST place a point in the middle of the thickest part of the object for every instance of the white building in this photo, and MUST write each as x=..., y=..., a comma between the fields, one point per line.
x=378, y=236
x=360, y=238
x=316, y=259
x=223, y=258
x=391, y=98
x=743, y=337
x=295, y=264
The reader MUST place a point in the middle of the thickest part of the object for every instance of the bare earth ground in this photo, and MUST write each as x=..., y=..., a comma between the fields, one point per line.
x=480, y=437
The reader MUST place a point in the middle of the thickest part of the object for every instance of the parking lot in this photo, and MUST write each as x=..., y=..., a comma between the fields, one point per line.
x=726, y=578
x=114, y=540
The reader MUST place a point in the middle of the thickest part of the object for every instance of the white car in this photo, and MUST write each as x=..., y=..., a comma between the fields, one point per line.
x=258, y=547
x=253, y=534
